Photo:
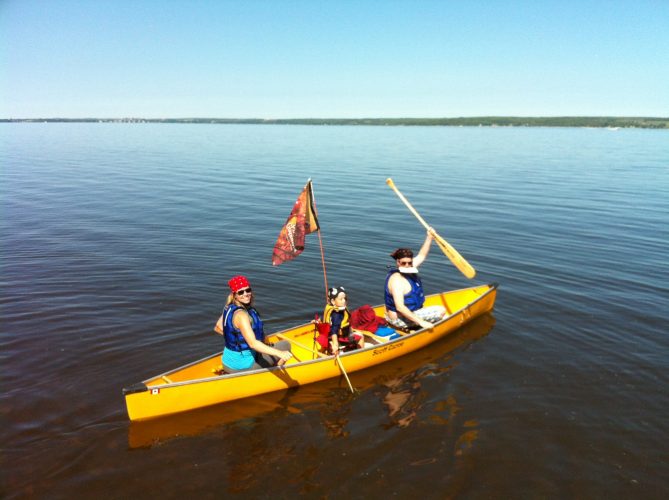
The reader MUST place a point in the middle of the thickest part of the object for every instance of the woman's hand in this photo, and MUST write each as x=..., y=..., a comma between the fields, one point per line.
x=283, y=357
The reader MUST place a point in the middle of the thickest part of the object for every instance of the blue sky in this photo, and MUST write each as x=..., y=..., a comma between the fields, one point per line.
x=293, y=59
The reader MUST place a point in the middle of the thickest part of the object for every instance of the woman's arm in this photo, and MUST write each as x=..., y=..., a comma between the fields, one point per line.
x=243, y=323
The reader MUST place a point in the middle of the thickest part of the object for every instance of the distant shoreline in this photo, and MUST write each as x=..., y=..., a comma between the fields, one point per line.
x=481, y=121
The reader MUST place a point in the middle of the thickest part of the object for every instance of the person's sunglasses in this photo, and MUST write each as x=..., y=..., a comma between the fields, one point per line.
x=406, y=263
x=245, y=291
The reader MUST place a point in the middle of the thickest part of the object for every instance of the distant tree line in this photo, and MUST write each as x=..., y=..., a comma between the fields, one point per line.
x=479, y=121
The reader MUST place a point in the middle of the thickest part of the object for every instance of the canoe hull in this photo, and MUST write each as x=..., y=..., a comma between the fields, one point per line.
x=196, y=385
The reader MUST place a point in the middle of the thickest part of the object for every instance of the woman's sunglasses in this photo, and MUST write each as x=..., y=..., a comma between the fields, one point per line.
x=406, y=263
x=245, y=291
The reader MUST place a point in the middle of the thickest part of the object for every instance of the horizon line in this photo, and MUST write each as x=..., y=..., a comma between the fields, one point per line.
x=656, y=117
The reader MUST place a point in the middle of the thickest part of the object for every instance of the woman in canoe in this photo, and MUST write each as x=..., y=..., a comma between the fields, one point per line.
x=242, y=327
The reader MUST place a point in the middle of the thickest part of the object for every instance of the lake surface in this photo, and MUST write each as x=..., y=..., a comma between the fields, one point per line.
x=118, y=241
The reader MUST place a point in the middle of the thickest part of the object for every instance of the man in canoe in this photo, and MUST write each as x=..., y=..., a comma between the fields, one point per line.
x=242, y=328
x=404, y=296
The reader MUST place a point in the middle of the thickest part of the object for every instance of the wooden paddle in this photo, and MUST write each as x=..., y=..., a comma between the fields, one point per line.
x=341, y=366
x=299, y=344
x=450, y=252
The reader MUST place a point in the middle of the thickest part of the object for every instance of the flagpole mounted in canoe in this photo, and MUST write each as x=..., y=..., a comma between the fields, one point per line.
x=320, y=240
x=303, y=219
x=458, y=261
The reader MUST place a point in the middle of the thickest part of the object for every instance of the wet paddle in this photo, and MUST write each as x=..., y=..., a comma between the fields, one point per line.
x=450, y=252
x=341, y=366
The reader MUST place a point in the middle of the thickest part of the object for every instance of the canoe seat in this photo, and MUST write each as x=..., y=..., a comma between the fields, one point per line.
x=370, y=337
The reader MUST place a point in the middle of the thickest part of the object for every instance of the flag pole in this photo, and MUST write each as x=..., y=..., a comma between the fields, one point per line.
x=320, y=240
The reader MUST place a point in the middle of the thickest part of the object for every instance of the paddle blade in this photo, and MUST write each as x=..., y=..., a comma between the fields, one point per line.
x=450, y=252
x=458, y=260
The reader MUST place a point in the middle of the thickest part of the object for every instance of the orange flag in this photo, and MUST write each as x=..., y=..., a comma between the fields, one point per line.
x=301, y=221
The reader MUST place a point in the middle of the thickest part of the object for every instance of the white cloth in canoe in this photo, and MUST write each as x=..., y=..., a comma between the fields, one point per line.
x=431, y=314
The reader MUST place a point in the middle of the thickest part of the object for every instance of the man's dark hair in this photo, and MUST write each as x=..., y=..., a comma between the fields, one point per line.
x=401, y=253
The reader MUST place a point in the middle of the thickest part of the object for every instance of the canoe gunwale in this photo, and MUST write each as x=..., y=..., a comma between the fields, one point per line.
x=138, y=387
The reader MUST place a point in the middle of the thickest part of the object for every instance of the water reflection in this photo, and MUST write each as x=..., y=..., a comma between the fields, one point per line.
x=396, y=383
x=402, y=400
x=334, y=413
x=403, y=396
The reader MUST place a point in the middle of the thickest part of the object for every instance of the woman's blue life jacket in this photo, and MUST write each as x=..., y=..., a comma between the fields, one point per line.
x=414, y=300
x=234, y=340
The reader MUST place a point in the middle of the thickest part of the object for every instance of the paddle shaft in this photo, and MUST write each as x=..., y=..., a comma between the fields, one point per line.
x=458, y=261
x=341, y=366
x=299, y=344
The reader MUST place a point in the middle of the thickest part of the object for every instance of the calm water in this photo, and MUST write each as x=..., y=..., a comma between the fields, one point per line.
x=117, y=241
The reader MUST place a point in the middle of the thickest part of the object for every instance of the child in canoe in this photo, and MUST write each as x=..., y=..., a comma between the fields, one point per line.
x=339, y=335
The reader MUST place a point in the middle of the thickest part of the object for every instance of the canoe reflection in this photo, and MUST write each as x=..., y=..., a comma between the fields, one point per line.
x=396, y=382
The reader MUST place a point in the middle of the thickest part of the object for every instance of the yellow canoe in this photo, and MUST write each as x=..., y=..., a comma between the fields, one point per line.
x=384, y=377
x=199, y=384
